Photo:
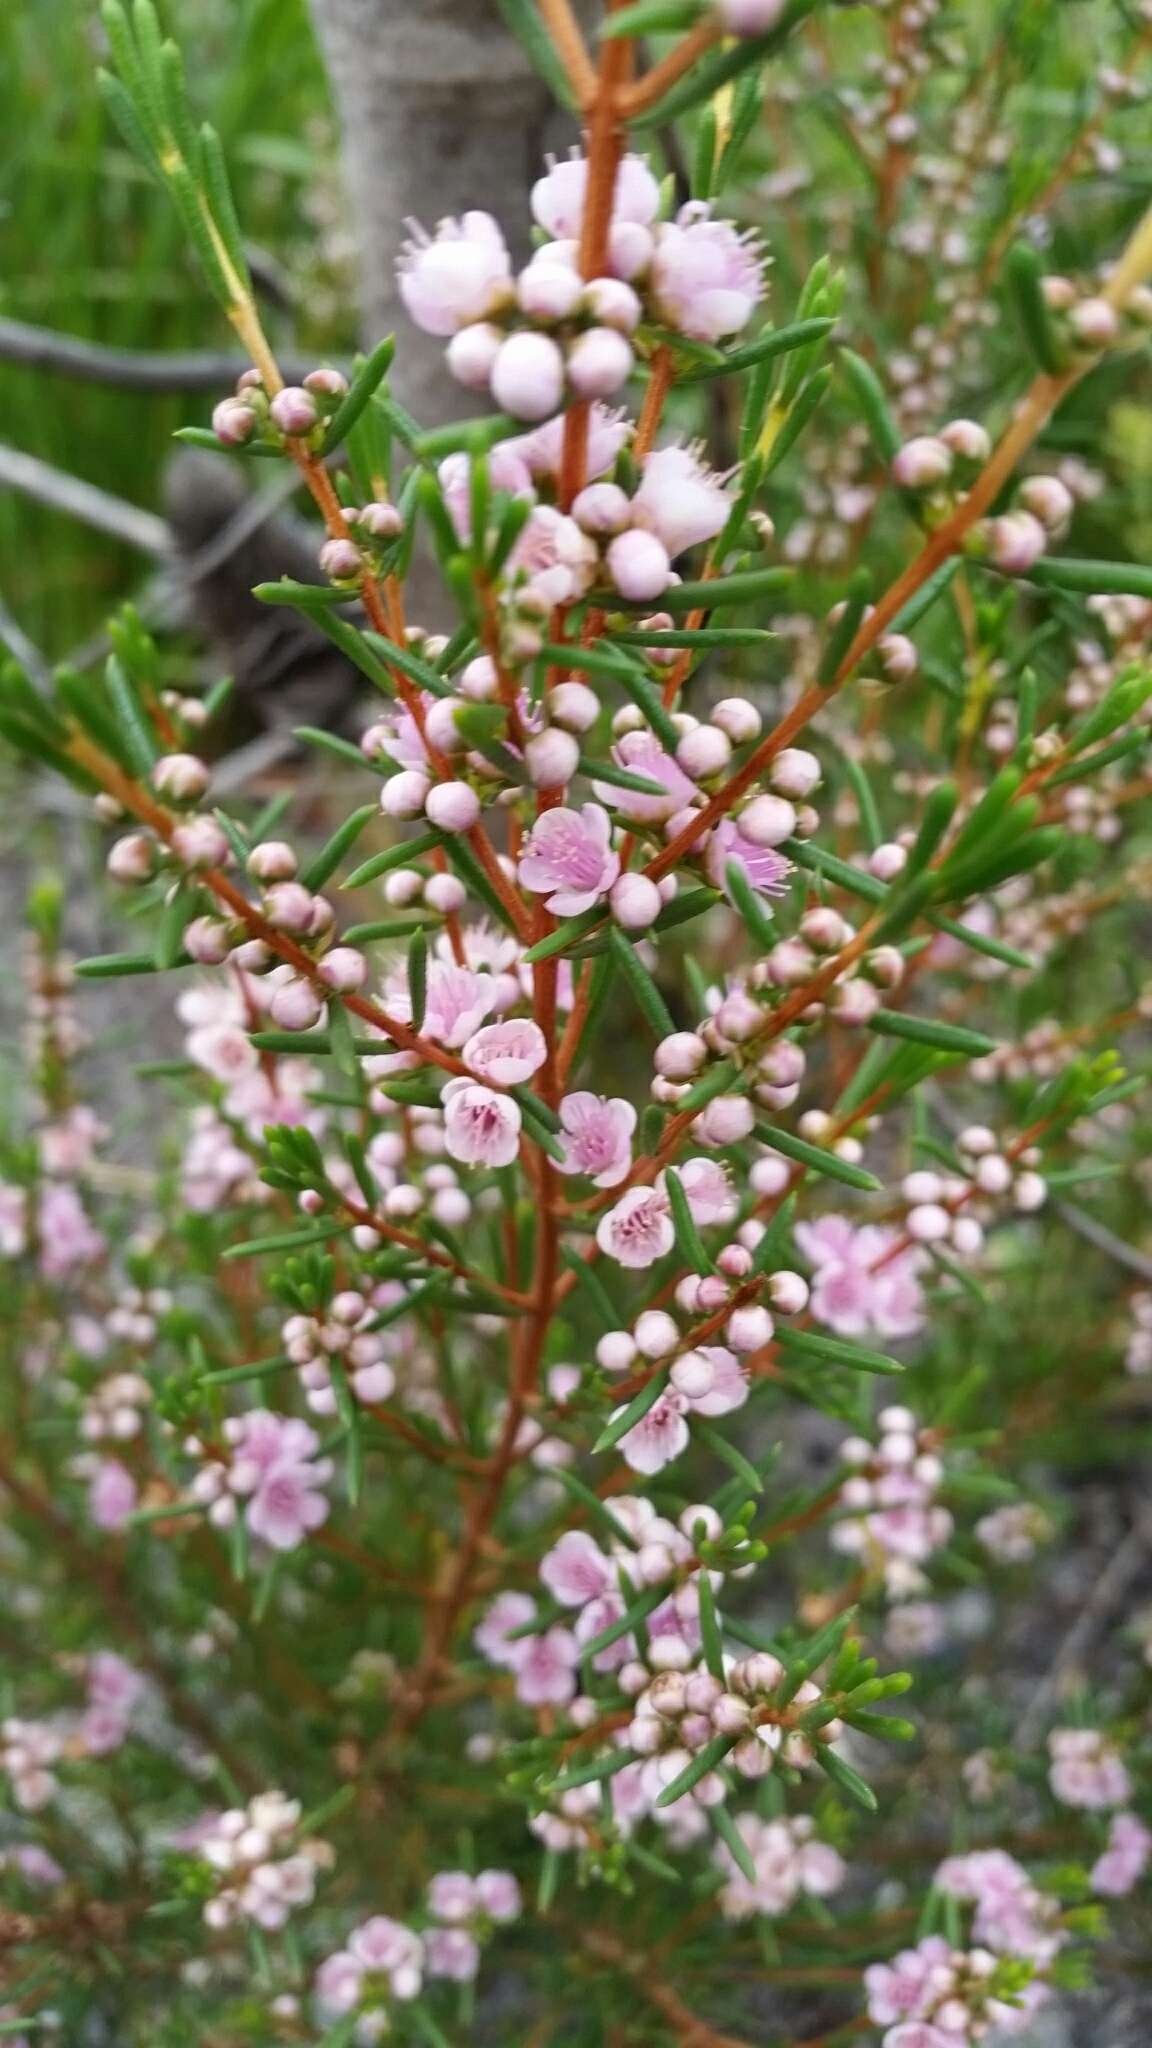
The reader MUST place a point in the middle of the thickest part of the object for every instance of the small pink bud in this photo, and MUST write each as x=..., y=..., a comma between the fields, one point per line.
x=730, y=1715
x=1048, y=500
x=181, y=777
x=680, y=1056
x=767, y=820
x=795, y=773
x=613, y=303
x=133, y=858
x=445, y=894
x=735, y=1262
x=201, y=843
x=1094, y=323
x=208, y=941
x=692, y=1375
x=296, y=1006
x=711, y=1293
x=528, y=376
x=549, y=290
x=602, y=508
x=738, y=719
x=574, y=706
x=738, y=1018
x=616, y=1352
x=703, y=752
x=551, y=757
x=253, y=956
x=748, y=1329
x=898, y=656
x=380, y=519
x=824, y=929
x=272, y=861
x=727, y=1119
x=327, y=382
x=404, y=795
x=635, y=902
x=288, y=907
x=922, y=463
x=887, y=861
x=599, y=362
x=343, y=969
x=656, y=1333
x=854, y=1002
x=452, y=806
x=341, y=561
x=788, y=1292
x=471, y=354
x=967, y=439
x=638, y=565
x=294, y=410
x=233, y=423
x=1016, y=542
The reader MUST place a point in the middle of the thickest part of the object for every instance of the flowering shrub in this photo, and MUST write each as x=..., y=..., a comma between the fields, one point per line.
x=570, y=1348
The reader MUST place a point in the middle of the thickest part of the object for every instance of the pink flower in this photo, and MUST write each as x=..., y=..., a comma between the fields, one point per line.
x=576, y=1570
x=545, y=1668
x=112, y=1495
x=13, y=1211
x=765, y=869
x=597, y=1136
x=451, y=1952
x=899, y=1989
x=481, y=1128
x=659, y=1436
x=642, y=753
x=1086, y=1770
x=638, y=1230
x=543, y=449
x=679, y=500
x=498, y=1895
x=729, y=1388
x=707, y=276
x=67, y=1238
x=506, y=1053
x=852, y=1292
x=286, y=1506
x=457, y=1002
x=507, y=471
x=459, y=275
x=555, y=556
x=919, y=2034
x=558, y=197
x=568, y=859
x=1125, y=1859
x=709, y=1191
x=509, y=1611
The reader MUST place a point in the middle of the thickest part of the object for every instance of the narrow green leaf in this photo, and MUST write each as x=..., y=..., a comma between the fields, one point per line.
x=725, y=1829
x=705, y=1760
x=835, y=1350
x=360, y=392
x=1024, y=275
x=137, y=734
x=749, y=905
x=927, y=1031
x=325, y=863
x=649, y=1000
x=817, y=1159
x=764, y=349
x=749, y=587
x=394, y=857
x=626, y=1418
x=287, y=1241
x=592, y=1773
x=845, y=1778
x=689, y=1242
x=869, y=395
x=729, y=1454
x=638, y=1612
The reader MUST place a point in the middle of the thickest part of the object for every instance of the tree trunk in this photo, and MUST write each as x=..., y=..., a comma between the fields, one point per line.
x=440, y=112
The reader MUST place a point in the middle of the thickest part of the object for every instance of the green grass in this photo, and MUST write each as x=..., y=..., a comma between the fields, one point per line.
x=88, y=245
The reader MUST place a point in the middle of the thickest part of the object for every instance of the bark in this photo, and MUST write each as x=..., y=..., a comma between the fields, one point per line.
x=440, y=112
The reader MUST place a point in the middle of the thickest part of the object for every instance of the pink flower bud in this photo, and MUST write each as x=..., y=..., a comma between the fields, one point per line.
x=656, y=1333
x=767, y=820
x=602, y=508
x=967, y=439
x=613, y=303
x=343, y=969
x=616, y=1351
x=208, y=940
x=922, y=463
x=133, y=858
x=445, y=894
x=887, y=861
x=735, y=1262
x=727, y=1119
x=327, y=382
x=551, y=757
x=253, y=956
x=380, y=519
x=824, y=930
x=638, y=565
x=528, y=376
x=738, y=1018
x=1048, y=500
x=296, y=1005
x=440, y=727
x=201, y=843
x=898, y=656
x=738, y=719
x=692, y=1375
x=748, y=1329
x=452, y=806
x=233, y=423
x=341, y=561
x=404, y=795
x=472, y=353
x=288, y=907
x=730, y=1715
x=599, y=362
x=549, y=289
x=272, y=861
x=573, y=706
x=634, y=902
x=788, y=1292
x=294, y=410
x=795, y=773
x=1016, y=542
x=884, y=965
x=703, y=752
x=181, y=777
x=1094, y=323
x=680, y=1056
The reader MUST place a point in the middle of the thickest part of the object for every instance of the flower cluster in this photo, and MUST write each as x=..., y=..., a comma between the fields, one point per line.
x=263, y=1869
x=269, y=1477
x=893, y=1521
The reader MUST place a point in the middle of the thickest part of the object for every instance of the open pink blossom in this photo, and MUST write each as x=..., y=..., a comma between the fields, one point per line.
x=545, y=1668
x=67, y=1238
x=287, y=1505
x=1086, y=1769
x=457, y=1002
x=1125, y=1859
x=576, y=1570
x=642, y=754
x=659, y=1436
x=481, y=1128
x=708, y=277
x=638, y=1230
x=555, y=556
x=708, y=1188
x=900, y=1989
x=596, y=1136
x=112, y=1495
x=506, y=1053
x=568, y=859
x=542, y=450
x=460, y=274
x=507, y=471
x=853, y=1293
x=679, y=500
x=558, y=197
x=764, y=868
x=493, y=1636
x=729, y=1388
x=452, y=1953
